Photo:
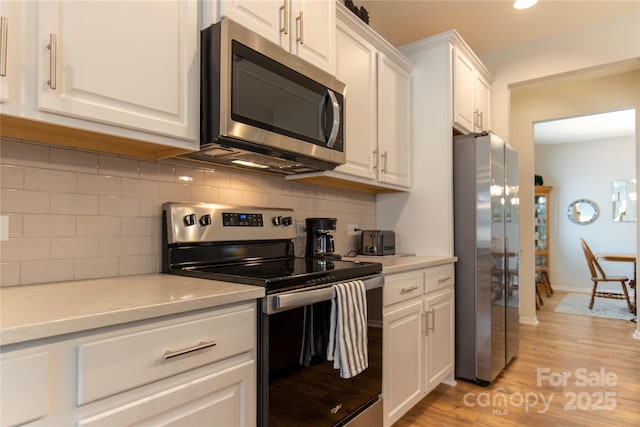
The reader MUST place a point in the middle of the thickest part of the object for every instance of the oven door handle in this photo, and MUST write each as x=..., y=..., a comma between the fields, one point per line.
x=286, y=301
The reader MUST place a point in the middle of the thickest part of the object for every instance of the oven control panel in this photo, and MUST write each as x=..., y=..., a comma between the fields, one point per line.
x=208, y=222
x=239, y=219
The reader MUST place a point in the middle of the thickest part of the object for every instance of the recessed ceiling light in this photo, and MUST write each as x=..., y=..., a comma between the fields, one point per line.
x=524, y=4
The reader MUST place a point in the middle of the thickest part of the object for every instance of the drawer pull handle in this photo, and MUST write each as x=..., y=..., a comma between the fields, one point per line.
x=4, y=28
x=407, y=290
x=430, y=326
x=200, y=346
x=444, y=279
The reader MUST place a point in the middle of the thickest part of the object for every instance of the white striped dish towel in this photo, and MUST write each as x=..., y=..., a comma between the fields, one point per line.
x=348, y=329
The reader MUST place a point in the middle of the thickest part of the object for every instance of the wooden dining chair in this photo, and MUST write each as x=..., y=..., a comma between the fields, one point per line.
x=598, y=275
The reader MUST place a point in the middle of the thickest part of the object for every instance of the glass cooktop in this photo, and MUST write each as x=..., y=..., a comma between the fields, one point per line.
x=284, y=274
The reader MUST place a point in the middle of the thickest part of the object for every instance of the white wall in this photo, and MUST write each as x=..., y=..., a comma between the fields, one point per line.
x=595, y=46
x=586, y=170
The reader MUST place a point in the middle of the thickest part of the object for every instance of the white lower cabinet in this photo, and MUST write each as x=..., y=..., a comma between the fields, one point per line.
x=192, y=369
x=418, y=336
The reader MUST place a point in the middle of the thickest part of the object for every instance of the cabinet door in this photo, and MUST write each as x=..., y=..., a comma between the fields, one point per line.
x=482, y=103
x=440, y=338
x=313, y=31
x=356, y=67
x=12, y=36
x=141, y=73
x=224, y=398
x=402, y=359
x=463, y=91
x=265, y=17
x=394, y=123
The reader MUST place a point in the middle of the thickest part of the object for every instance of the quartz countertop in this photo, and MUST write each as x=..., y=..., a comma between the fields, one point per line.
x=40, y=311
x=398, y=263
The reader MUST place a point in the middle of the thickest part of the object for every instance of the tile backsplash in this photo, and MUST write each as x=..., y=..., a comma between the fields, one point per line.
x=77, y=214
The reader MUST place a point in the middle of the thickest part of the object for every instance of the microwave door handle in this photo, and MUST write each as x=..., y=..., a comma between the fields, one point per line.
x=336, y=119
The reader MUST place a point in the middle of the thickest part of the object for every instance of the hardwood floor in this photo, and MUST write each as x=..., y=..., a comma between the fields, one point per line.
x=600, y=356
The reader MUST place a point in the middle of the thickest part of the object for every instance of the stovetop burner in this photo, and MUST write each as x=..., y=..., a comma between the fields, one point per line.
x=246, y=245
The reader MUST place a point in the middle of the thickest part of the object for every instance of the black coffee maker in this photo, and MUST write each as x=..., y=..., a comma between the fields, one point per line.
x=319, y=239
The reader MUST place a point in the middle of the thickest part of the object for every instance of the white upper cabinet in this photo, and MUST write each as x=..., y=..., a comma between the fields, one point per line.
x=394, y=123
x=9, y=30
x=471, y=93
x=305, y=28
x=356, y=61
x=377, y=119
x=109, y=62
x=102, y=75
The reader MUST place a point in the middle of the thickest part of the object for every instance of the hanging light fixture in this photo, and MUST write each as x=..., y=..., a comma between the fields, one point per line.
x=524, y=4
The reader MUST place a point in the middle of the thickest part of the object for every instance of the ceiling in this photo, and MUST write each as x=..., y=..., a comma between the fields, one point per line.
x=488, y=26
x=596, y=127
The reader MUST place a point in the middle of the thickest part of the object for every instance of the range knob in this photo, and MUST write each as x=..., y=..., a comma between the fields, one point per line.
x=287, y=220
x=277, y=220
x=190, y=219
x=205, y=220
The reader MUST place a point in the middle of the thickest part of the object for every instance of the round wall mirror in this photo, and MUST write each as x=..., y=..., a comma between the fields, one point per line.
x=583, y=211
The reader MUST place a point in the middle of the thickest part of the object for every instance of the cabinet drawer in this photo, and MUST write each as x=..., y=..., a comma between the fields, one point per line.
x=401, y=287
x=115, y=364
x=25, y=388
x=439, y=277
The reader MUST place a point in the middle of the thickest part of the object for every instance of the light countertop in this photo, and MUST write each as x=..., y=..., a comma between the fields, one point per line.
x=398, y=263
x=40, y=311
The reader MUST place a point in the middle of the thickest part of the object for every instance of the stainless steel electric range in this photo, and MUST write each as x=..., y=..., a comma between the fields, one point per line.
x=255, y=246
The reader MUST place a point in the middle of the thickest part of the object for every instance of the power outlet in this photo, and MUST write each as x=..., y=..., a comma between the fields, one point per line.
x=351, y=230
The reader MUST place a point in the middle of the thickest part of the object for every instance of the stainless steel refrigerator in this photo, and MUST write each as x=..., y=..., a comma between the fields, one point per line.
x=486, y=211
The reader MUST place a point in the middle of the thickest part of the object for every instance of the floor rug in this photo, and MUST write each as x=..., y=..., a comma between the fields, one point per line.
x=575, y=303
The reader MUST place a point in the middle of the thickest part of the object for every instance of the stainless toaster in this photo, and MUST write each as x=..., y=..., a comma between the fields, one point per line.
x=378, y=242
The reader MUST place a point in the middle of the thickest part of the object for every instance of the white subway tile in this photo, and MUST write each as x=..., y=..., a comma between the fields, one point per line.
x=188, y=175
x=205, y=193
x=156, y=171
x=94, y=225
x=46, y=271
x=118, y=206
x=139, y=264
x=149, y=207
x=230, y=196
x=139, y=226
x=217, y=178
x=150, y=245
x=173, y=191
x=139, y=188
x=24, y=154
x=35, y=225
x=95, y=268
x=49, y=180
x=118, y=166
x=102, y=185
x=118, y=246
x=15, y=225
x=74, y=160
x=74, y=247
x=251, y=198
x=25, y=249
x=9, y=273
x=74, y=204
x=240, y=180
x=12, y=176
x=24, y=201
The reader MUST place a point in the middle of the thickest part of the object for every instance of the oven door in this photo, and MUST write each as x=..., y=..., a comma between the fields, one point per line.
x=297, y=385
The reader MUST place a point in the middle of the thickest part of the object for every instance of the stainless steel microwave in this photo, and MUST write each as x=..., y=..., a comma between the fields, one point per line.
x=264, y=107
